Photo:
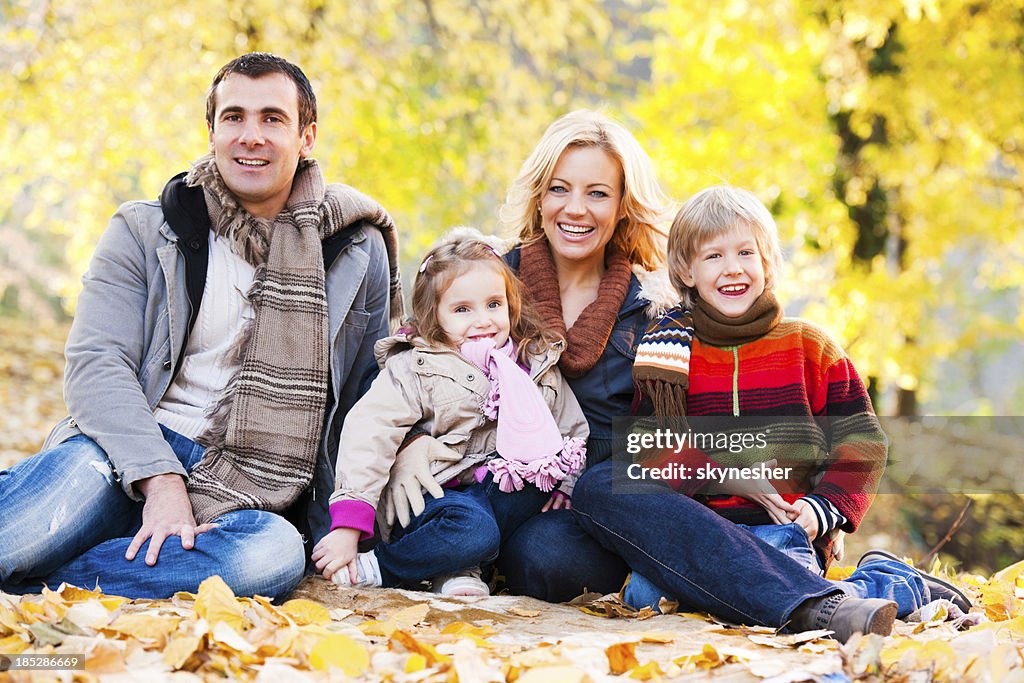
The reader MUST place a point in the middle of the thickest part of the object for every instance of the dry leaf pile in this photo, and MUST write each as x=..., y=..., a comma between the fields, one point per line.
x=328, y=634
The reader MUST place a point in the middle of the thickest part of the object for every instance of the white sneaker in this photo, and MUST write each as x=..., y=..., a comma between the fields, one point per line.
x=366, y=567
x=466, y=583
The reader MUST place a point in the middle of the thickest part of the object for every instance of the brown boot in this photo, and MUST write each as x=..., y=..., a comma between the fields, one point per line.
x=845, y=616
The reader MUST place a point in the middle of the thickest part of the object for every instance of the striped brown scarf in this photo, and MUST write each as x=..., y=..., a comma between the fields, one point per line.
x=265, y=431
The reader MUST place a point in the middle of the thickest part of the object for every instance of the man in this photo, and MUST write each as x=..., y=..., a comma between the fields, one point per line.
x=221, y=336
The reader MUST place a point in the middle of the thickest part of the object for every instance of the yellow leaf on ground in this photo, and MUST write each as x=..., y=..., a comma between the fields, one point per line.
x=621, y=657
x=340, y=652
x=305, y=612
x=13, y=645
x=647, y=672
x=9, y=622
x=146, y=626
x=180, y=649
x=836, y=573
x=76, y=594
x=410, y=616
x=410, y=643
x=105, y=658
x=416, y=662
x=216, y=603
x=554, y=674
x=223, y=633
x=708, y=658
x=378, y=628
x=519, y=612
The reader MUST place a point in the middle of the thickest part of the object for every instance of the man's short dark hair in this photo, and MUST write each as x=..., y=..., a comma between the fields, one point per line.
x=257, y=64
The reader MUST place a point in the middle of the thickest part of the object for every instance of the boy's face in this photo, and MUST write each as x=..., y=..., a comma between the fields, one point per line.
x=728, y=272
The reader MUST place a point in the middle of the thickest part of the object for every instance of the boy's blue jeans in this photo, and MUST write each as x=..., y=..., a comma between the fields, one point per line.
x=877, y=579
x=462, y=530
x=698, y=557
x=64, y=518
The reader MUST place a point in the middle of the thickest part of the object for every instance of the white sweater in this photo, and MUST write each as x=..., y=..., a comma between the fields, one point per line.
x=205, y=370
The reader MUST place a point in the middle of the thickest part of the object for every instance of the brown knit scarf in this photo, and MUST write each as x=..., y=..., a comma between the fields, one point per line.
x=265, y=429
x=662, y=365
x=588, y=336
x=719, y=330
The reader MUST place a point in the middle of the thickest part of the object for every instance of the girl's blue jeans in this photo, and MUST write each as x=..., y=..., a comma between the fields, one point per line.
x=461, y=530
x=705, y=561
x=64, y=518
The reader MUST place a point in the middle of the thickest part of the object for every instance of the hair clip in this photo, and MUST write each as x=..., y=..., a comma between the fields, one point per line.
x=423, y=266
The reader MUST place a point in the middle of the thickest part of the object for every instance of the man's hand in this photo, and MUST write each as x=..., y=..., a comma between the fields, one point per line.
x=410, y=475
x=762, y=492
x=167, y=512
x=337, y=552
x=806, y=518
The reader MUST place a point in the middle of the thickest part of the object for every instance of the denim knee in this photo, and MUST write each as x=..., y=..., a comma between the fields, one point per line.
x=592, y=485
x=267, y=556
x=57, y=504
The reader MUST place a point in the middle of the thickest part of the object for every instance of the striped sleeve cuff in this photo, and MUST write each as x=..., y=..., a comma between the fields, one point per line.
x=354, y=514
x=828, y=515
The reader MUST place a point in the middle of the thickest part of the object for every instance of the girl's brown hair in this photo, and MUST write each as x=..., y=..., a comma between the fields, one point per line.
x=452, y=259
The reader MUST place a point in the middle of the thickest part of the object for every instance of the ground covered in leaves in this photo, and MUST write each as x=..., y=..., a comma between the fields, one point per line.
x=322, y=633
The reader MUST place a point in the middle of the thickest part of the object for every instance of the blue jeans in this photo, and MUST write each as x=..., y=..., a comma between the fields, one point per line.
x=681, y=545
x=64, y=518
x=886, y=579
x=462, y=530
x=552, y=558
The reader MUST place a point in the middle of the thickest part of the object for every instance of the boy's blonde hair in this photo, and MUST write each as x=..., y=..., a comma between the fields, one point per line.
x=451, y=259
x=711, y=213
x=645, y=207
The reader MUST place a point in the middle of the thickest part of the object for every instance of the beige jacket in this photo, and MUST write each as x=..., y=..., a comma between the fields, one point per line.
x=441, y=392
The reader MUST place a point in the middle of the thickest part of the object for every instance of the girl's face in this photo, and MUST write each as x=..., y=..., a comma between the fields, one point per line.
x=475, y=306
x=582, y=204
x=728, y=272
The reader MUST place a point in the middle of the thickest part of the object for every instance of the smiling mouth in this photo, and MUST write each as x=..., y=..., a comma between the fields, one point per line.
x=733, y=290
x=252, y=163
x=575, y=230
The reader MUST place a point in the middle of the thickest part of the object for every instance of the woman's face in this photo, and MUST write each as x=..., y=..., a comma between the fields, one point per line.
x=582, y=204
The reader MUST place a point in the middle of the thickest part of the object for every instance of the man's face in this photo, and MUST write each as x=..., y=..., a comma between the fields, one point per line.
x=256, y=141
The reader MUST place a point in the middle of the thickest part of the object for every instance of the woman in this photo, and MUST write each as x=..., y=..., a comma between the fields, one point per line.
x=588, y=213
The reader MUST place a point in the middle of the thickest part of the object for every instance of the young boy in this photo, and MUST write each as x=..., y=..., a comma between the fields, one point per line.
x=793, y=406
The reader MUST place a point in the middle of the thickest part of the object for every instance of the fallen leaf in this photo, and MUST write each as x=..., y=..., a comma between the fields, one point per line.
x=554, y=674
x=224, y=634
x=216, y=603
x=340, y=652
x=410, y=616
x=378, y=628
x=647, y=672
x=410, y=643
x=520, y=612
x=144, y=626
x=415, y=662
x=180, y=649
x=105, y=658
x=305, y=612
x=13, y=645
x=621, y=657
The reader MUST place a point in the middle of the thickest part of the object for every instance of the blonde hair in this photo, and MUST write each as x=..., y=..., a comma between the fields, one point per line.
x=645, y=206
x=451, y=259
x=711, y=213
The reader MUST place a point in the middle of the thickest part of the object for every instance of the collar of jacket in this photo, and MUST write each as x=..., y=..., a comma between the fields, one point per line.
x=396, y=343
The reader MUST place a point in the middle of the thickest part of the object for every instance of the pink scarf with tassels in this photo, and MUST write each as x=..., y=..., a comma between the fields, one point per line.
x=530, y=447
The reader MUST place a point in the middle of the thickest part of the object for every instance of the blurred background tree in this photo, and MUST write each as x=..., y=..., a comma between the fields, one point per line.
x=887, y=137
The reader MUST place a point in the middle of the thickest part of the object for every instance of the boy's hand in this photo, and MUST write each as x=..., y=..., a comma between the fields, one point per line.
x=557, y=501
x=762, y=492
x=806, y=518
x=336, y=550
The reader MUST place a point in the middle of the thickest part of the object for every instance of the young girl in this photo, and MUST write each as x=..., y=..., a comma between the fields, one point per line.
x=475, y=370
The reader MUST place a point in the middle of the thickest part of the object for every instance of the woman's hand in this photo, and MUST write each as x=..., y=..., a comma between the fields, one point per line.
x=337, y=552
x=806, y=518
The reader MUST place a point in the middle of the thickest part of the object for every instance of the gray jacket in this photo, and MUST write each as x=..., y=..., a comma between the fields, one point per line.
x=131, y=323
